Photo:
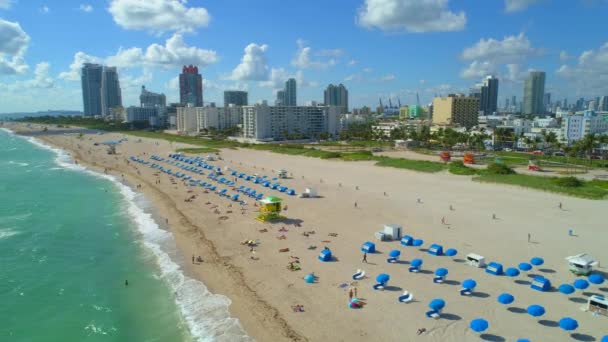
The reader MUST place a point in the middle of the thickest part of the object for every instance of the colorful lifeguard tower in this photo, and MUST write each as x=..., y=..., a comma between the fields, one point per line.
x=270, y=209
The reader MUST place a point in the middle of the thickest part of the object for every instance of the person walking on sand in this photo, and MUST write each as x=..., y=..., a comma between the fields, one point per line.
x=443, y=220
x=355, y=291
x=493, y=216
x=355, y=204
x=193, y=258
x=418, y=200
x=560, y=205
x=364, y=257
x=350, y=293
x=528, y=237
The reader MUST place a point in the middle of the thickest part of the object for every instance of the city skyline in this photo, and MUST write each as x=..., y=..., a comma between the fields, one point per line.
x=456, y=46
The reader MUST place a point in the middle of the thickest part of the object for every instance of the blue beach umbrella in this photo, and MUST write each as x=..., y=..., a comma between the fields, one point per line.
x=568, y=324
x=451, y=252
x=469, y=284
x=523, y=340
x=581, y=284
x=536, y=261
x=566, y=289
x=416, y=262
x=417, y=243
x=441, y=272
x=437, y=304
x=536, y=310
x=512, y=272
x=394, y=253
x=309, y=278
x=383, y=278
x=506, y=298
x=596, y=279
x=604, y=339
x=479, y=325
x=524, y=266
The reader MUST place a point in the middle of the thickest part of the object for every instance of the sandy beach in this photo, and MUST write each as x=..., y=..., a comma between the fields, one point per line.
x=263, y=290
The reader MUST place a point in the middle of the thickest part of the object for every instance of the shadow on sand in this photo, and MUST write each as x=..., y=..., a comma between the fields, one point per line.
x=514, y=309
x=548, y=323
x=523, y=282
x=582, y=337
x=492, y=338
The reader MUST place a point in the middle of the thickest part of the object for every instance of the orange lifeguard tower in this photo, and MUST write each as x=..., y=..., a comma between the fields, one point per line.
x=270, y=209
x=532, y=166
x=445, y=156
x=469, y=158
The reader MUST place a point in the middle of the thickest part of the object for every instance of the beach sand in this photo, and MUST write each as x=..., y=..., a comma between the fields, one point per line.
x=263, y=291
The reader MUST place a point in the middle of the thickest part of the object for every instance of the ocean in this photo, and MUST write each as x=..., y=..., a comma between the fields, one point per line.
x=70, y=238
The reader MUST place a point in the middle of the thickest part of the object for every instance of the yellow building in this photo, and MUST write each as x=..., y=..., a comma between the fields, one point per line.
x=456, y=110
x=404, y=113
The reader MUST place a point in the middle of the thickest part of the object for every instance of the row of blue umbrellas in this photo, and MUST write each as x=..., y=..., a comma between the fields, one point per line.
x=566, y=323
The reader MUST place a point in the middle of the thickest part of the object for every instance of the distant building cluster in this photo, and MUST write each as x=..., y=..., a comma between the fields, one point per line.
x=100, y=89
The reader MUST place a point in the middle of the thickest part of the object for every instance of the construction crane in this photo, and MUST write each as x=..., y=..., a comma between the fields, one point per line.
x=390, y=104
x=380, y=99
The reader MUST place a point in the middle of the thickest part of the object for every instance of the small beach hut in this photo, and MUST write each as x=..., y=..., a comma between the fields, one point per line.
x=581, y=264
x=494, y=268
x=598, y=304
x=476, y=260
x=541, y=284
x=407, y=240
x=393, y=231
x=479, y=325
x=436, y=250
x=325, y=255
x=368, y=247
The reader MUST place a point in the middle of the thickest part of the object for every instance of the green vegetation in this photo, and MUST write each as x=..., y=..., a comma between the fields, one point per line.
x=568, y=182
x=498, y=169
x=358, y=156
x=415, y=165
x=458, y=168
x=591, y=190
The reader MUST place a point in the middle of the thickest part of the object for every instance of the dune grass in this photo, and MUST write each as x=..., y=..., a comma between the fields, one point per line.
x=458, y=168
x=414, y=165
x=198, y=150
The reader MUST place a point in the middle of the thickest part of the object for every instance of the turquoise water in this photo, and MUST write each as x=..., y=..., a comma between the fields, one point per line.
x=69, y=239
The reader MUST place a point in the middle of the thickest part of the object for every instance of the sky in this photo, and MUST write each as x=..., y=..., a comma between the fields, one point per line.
x=376, y=48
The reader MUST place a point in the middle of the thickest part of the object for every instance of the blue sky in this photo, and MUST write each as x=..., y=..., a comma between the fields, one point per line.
x=377, y=48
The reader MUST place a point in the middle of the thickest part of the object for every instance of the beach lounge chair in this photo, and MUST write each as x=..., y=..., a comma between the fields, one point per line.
x=392, y=260
x=360, y=274
x=406, y=297
x=432, y=314
x=379, y=286
x=414, y=269
x=259, y=197
x=465, y=292
x=438, y=280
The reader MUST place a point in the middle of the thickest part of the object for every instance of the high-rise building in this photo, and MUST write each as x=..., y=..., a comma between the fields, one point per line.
x=280, y=101
x=91, y=88
x=580, y=104
x=591, y=105
x=547, y=100
x=489, y=96
x=456, y=110
x=603, y=104
x=337, y=96
x=187, y=119
x=111, y=95
x=191, y=86
x=514, y=103
x=150, y=99
x=290, y=93
x=534, y=91
x=219, y=118
x=235, y=97
x=507, y=104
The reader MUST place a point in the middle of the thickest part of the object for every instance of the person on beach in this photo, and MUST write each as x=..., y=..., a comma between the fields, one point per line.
x=418, y=200
x=350, y=293
x=560, y=205
x=528, y=237
x=493, y=216
x=193, y=258
x=451, y=208
x=355, y=291
x=355, y=204
x=126, y=283
x=443, y=220
x=385, y=193
x=364, y=257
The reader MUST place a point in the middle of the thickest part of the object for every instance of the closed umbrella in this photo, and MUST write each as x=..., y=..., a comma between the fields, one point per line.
x=506, y=298
x=394, y=253
x=536, y=261
x=417, y=243
x=416, y=262
x=451, y=252
x=524, y=266
x=469, y=284
x=568, y=324
x=512, y=272
x=479, y=325
x=566, y=289
x=581, y=284
x=536, y=310
x=437, y=304
x=596, y=279
x=441, y=272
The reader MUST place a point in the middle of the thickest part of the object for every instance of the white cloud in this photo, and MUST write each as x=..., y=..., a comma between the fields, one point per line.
x=253, y=66
x=41, y=80
x=387, y=78
x=354, y=77
x=491, y=56
x=519, y=5
x=13, y=45
x=73, y=74
x=276, y=79
x=303, y=59
x=410, y=15
x=45, y=9
x=352, y=62
x=158, y=15
x=590, y=73
x=173, y=83
x=86, y=8
x=563, y=56
x=173, y=54
x=6, y=4
x=304, y=83
x=330, y=53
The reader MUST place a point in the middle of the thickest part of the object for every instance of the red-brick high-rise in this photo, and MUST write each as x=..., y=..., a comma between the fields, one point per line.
x=191, y=86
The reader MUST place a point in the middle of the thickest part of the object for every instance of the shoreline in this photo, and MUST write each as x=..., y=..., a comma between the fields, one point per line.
x=165, y=209
x=263, y=292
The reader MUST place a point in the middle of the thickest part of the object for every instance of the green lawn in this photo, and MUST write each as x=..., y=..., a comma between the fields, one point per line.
x=589, y=189
x=415, y=165
x=210, y=143
x=461, y=170
x=198, y=150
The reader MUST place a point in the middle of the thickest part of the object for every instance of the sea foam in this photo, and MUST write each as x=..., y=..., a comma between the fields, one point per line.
x=205, y=313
